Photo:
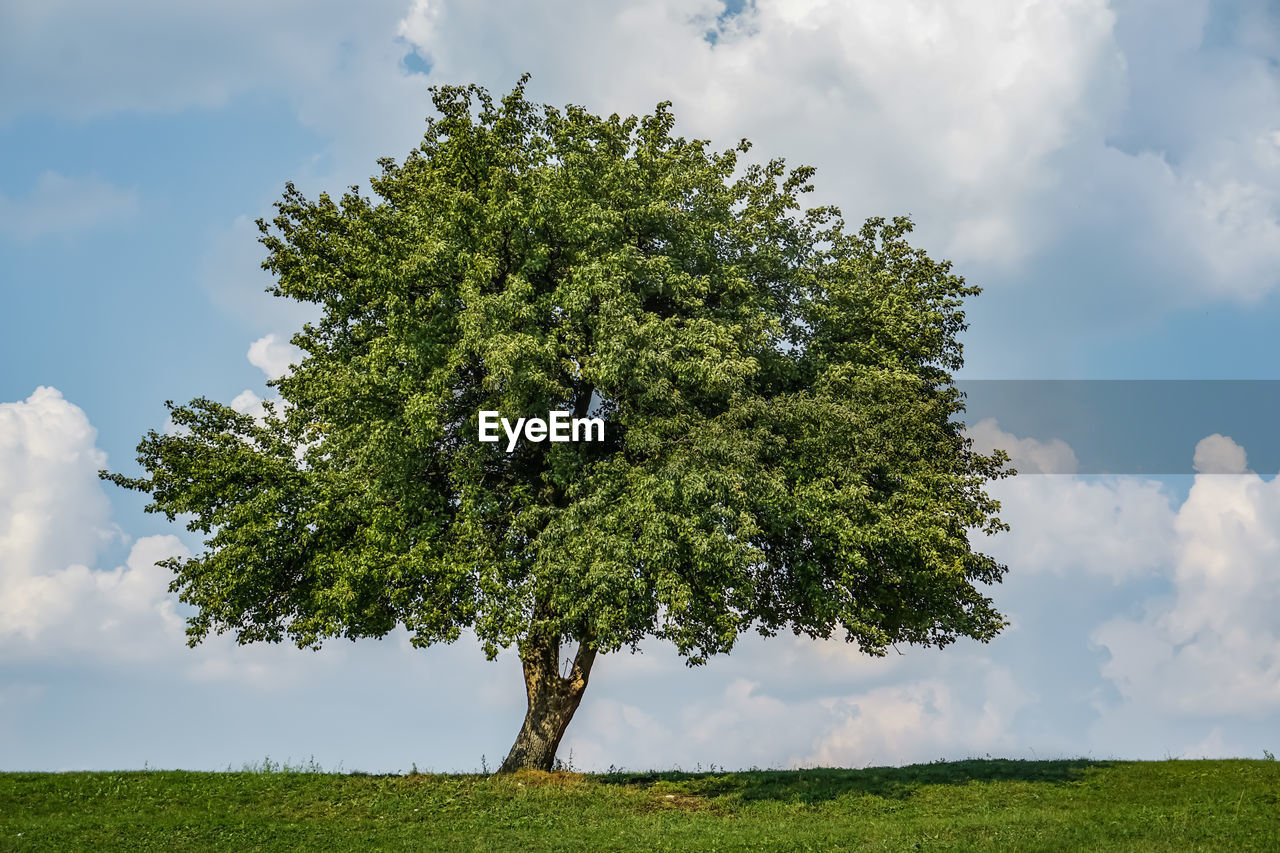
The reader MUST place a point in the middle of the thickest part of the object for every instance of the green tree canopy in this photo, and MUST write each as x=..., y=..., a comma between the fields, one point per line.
x=781, y=450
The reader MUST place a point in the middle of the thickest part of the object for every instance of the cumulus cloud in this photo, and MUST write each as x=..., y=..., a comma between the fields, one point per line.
x=75, y=612
x=59, y=203
x=737, y=721
x=55, y=605
x=1115, y=527
x=54, y=524
x=925, y=107
x=249, y=403
x=1160, y=636
x=1196, y=142
x=1212, y=644
x=755, y=713
x=1218, y=454
x=1200, y=648
x=922, y=721
x=1013, y=131
x=1099, y=155
x=1213, y=745
x=273, y=356
x=52, y=509
x=1027, y=455
x=1141, y=628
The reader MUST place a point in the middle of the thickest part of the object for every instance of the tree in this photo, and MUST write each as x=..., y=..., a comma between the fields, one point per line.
x=780, y=451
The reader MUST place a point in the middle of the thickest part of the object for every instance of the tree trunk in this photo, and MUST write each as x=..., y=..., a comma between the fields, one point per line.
x=552, y=701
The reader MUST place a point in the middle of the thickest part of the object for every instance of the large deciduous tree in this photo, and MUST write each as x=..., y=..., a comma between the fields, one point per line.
x=782, y=449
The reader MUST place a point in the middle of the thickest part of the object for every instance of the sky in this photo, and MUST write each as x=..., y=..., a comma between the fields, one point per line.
x=1107, y=172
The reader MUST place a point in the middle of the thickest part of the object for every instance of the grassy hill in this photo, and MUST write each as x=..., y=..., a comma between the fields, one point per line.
x=968, y=805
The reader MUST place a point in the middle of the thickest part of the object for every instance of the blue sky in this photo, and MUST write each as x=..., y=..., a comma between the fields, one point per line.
x=1109, y=172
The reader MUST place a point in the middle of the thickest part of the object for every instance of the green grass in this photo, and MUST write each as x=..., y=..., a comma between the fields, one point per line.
x=967, y=805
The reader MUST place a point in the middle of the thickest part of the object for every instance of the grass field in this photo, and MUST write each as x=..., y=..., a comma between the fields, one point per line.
x=968, y=805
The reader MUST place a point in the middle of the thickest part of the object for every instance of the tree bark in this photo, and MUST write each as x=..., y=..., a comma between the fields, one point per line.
x=552, y=702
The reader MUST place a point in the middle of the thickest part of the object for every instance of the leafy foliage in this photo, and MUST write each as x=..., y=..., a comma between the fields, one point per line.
x=781, y=446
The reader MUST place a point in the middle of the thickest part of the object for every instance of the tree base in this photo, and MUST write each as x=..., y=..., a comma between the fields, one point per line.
x=552, y=703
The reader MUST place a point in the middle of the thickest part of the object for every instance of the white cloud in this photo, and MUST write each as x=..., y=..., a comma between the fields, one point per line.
x=54, y=526
x=1190, y=162
x=58, y=203
x=249, y=403
x=737, y=722
x=1235, y=224
x=1213, y=745
x=273, y=356
x=1212, y=646
x=54, y=523
x=1027, y=455
x=920, y=106
x=1205, y=225
x=810, y=712
x=338, y=65
x=740, y=713
x=1014, y=131
x=52, y=508
x=948, y=111
x=80, y=59
x=1114, y=527
x=76, y=612
x=1206, y=652
x=1008, y=128
x=923, y=721
x=1118, y=528
x=1218, y=454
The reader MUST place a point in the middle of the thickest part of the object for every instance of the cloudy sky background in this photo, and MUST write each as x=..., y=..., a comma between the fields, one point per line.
x=1109, y=172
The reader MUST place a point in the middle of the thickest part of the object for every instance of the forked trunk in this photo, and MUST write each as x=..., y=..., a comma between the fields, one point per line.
x=552, y=701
